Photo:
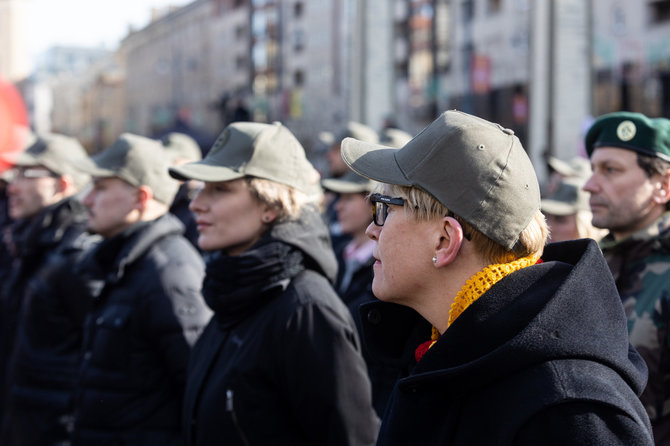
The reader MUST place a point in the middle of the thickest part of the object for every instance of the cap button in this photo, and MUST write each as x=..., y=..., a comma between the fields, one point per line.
x=508, y=131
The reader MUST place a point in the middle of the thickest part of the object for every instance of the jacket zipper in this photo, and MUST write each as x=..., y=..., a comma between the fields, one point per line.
x=230, y=408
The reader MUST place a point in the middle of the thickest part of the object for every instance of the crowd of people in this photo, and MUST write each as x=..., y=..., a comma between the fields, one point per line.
x=427, y=289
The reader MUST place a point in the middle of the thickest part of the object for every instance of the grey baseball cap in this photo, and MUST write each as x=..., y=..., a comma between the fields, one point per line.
x=574, y=167
x=349, y=183
x=137, y=160
x=56, y=152
x=394, y=137
x=567, y=199
x=268, y=151
x=358, y=131
x=475, y=168
x=181, y=146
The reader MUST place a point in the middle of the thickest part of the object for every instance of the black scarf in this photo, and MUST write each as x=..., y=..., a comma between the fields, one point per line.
x=235, y=286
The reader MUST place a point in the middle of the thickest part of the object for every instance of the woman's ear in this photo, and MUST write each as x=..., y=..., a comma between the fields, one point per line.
x=144, y=194
x=449, y=243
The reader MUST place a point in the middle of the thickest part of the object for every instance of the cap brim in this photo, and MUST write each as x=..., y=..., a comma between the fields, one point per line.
x=373, y=161
x=345, y=187
x=203, y=171
x=554, y=207
x=89, y=166
x=560, y=166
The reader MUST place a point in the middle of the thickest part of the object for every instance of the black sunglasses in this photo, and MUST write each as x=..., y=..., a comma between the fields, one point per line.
x=380, y=207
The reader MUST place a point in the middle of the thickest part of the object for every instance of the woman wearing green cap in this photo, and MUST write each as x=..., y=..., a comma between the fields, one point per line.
x=280, y=362
x=506, y=342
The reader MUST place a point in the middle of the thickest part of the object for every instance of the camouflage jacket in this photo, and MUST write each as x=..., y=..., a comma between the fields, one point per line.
x=640, y=265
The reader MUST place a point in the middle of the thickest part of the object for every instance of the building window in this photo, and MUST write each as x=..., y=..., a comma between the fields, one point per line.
x=468, y=10
x=240, y=32
x=298, y=9
x=298, y=40
x=298, y=78
x=659, y=11
x=493, y=6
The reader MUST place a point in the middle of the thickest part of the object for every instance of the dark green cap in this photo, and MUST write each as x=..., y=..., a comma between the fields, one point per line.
x=181, y=146
x=475, y=168
x=632, y=131
x=567, y=199
x=268, y=151
x=349, y=183
x=57, y=153
x=137, y=160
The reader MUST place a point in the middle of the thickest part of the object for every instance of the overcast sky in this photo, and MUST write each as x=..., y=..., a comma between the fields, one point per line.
x=86, y=22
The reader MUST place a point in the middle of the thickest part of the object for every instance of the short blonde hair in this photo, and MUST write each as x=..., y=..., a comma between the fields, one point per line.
x=423, y=206
x=286, y=200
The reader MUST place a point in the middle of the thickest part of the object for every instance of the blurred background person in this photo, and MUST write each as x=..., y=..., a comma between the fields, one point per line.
x=47, y=221
x=576, y=167
x=147, y=311
x=354, y=273
x=337, y=168
x=280, y=362
x=568, y=212
x=182, y=148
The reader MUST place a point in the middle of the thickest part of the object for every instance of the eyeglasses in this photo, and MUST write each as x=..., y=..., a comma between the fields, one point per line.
x=380, y=207
x=29, y=172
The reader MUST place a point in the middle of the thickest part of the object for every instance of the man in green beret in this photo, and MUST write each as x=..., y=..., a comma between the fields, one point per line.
x=630, y=191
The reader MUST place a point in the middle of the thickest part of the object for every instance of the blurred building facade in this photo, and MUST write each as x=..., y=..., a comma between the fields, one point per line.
x=540, y=67
x=14, y=57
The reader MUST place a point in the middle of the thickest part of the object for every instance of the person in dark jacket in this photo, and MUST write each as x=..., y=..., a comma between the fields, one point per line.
x=354, y=272
x=182, y=148
x=280, y=363
x=144, y=279
x=48, y=219
x=503, y=346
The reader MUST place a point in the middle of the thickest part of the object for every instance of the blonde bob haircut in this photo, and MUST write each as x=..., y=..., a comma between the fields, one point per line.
x=285, y=200
x=422, y=206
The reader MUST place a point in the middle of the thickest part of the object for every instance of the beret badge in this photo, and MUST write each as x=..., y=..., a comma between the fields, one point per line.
x=626, y=130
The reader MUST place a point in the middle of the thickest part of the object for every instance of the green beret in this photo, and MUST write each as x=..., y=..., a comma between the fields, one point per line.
x=632, y=131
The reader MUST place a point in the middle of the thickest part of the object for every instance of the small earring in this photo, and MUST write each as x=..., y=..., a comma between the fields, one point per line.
x=435, y=259
x=266, y=218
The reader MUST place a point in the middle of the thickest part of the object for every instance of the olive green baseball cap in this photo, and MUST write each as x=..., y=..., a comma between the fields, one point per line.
x=477, y=169
x=567, y=199
x=181, y=146
x=349, y=183
x=56, y=152
x=631, y=131
x=137, y=160
x=268, y=151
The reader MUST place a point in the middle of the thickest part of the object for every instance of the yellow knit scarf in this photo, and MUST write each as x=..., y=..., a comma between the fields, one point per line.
x=480, y=283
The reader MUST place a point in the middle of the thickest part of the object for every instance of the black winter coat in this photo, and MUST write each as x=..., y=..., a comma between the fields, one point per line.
x=45, y=361
x=146, y=314
x=280, y=362
x=541, y=358
x=358, y=292
x=37, y=242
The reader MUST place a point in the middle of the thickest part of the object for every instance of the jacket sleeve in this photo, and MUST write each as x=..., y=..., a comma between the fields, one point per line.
x=326, y=378
x=175, y=316
x=583, y=422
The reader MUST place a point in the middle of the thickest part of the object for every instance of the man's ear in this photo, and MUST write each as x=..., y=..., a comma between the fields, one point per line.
x=449, y=243
x=64, y=185
x=662, y=193
x=144, y=195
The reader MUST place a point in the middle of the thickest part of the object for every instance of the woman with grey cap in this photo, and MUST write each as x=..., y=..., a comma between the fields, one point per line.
x=502, y=346
x=280, y=363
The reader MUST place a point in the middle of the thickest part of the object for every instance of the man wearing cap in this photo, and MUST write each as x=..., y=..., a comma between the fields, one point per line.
x=505, y=342
x=182, y=148
x=147, y=310
x=568, y=213
x=47, y=220
x=630, y=191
